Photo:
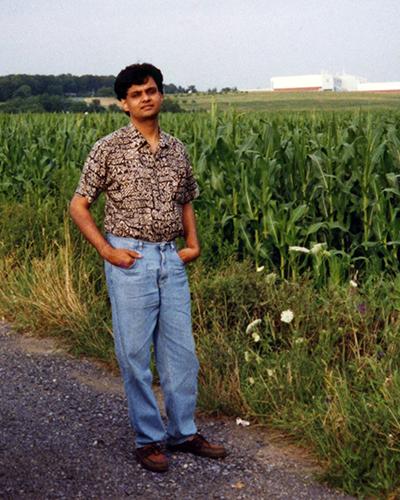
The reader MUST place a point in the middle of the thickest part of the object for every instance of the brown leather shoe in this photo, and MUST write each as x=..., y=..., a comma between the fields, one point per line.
x=152, y=458
x=198, y=445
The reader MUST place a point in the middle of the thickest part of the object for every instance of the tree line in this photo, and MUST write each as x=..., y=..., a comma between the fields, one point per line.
x=67, y=85
x=22, y=93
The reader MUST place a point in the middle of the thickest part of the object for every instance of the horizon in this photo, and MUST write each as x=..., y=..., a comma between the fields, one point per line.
x=210, y=86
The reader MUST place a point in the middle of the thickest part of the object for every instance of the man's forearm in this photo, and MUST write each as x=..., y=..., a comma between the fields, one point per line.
x=80, y=214
x=189, y=227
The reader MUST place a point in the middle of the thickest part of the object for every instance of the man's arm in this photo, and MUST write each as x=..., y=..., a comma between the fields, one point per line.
x=80, y=213
x=192, y=249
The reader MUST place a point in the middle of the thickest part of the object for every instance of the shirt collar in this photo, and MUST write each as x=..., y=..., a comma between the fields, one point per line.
x=164, y=139
x=139, y=140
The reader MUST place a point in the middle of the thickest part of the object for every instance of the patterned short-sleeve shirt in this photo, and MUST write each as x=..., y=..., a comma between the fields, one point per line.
x=144, y=192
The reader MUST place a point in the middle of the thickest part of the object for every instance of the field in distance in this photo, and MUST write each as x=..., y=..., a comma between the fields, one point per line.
x=294, y=101
x=277, y=101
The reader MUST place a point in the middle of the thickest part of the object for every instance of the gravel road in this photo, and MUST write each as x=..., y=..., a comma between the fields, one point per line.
x=64, y=433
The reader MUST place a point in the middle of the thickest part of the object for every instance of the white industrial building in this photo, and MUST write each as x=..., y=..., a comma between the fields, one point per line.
x=330, y=82
x=348, y=83
x=302, y=83
x=379, y=87
x=255, y=90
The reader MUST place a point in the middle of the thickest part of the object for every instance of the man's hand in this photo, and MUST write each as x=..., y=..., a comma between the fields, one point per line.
x=188, y=254
x=80, y=213
x=121, y=257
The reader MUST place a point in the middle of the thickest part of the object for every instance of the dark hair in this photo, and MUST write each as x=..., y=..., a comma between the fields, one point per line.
x=136, y=74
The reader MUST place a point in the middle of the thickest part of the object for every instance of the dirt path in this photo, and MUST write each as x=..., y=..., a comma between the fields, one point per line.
x=64, y=433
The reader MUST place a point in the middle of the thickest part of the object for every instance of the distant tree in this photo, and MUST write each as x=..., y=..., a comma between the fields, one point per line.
x=23, y=91
x=228, y=89
x=52, y=103
x=171, y=106
x=21, y=105
x=69, y=84
x=32, y=106
x=114, y=108
x=95, y=106
x=170, y=88
x=54, y=89
x=48, y=103
x=87, y=85
x=77, y=106
x=39, y=84
x=105, y=92
x=191, y=89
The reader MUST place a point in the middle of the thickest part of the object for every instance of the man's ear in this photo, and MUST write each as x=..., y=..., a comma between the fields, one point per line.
x=124, y=105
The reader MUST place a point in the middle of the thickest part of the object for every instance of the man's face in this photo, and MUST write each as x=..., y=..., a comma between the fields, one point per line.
x=143, y=101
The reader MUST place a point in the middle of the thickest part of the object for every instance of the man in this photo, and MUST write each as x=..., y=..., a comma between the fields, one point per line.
x=148, y=182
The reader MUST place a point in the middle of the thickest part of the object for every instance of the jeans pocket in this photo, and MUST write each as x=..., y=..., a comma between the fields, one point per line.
x=178, y=258
x=126, y=244
x=133, y=268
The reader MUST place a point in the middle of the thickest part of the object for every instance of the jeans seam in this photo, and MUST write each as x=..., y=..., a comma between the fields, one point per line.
x=169, y=380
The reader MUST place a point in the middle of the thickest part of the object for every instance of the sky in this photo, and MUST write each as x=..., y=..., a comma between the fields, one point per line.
x=206, y=43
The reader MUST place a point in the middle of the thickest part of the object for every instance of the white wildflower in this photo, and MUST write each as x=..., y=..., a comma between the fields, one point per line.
x=299, y=340
x=353, y=283
x=251, y=326
x=251, y=380
x=260, y=268
x=243, y=423
x=299, y=249
x=317, y=248
x=270, y=372
x=247, y=356
x=270, y=278
x=287, y=316
x=256, y=337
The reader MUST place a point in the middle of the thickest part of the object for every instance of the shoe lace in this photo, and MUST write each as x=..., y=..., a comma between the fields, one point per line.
x=198, y=441
x=152, y=449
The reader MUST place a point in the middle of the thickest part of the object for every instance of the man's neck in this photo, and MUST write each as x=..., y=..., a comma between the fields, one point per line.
x=149, y=129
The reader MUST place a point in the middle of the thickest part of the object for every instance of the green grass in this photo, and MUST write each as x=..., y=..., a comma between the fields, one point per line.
x=296, y=101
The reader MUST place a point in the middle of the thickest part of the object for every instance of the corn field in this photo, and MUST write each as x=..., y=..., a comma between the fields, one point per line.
x=296, y=192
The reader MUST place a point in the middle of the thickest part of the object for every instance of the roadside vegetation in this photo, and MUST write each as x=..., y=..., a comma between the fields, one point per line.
x=296, y=296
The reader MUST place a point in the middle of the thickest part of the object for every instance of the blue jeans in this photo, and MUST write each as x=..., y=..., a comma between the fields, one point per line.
x=150, y=303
